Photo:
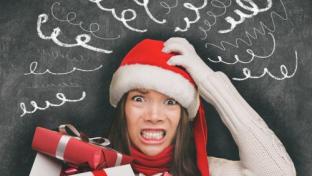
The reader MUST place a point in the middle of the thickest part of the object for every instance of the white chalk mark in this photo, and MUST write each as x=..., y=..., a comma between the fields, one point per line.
x=144, y=3
x=52, y=85
x=252, y=7
x=167, y=6
x=59, y=96
x=71, y=16
x=249, y=51
x=216, y=4
x=283, y=70
x=187, y=20
x=122, y=18
x=81, y=39
x=255, y=32
x=33, y=67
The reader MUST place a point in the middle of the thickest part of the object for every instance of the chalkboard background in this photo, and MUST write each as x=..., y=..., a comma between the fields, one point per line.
x=267, y=56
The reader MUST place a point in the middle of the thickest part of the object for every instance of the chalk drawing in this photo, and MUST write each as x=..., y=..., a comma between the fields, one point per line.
x=59, y=96
x=33, y=67
x=250, y=52
x=283, y=70
x=144, y=3
x=187, y=20
x=122, y=18
x=169, y=7
x=255, y=32
x=208, y=24
x=93, y=28
x=82, y=39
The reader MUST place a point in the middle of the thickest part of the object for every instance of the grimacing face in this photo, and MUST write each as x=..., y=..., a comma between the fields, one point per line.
x=152, y=119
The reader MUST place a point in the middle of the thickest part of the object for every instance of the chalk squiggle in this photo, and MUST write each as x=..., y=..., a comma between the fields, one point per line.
x=144, y=4
x=187, y=20
x=122, y=18
x=33, y=68
x=81, y=39
x=216, y=4
x=71, y=16
x=242, y=16
x=59, y=96
x=167, y=6
x=249, y=51
x=255, y=32
x=283, y=69
x=52, y=85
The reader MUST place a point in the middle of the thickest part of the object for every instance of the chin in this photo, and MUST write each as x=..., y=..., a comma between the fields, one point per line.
x=152, y=150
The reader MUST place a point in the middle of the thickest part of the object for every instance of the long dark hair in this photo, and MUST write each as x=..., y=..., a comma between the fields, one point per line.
x=184, y=158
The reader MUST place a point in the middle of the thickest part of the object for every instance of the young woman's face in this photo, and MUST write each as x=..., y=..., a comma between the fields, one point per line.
x=152, y=120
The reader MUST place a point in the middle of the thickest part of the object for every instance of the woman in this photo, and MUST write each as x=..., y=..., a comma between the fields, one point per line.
x=161, y=121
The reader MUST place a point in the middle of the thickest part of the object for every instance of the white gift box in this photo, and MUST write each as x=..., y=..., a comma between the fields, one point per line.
x=48, y=166
x=124, y=170
x=45, y=166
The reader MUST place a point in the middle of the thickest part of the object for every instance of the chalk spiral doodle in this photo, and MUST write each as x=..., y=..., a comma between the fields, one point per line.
x=132, y=13
x=60, y=96
x=93, y=28
x=82, y=39
x=188, y=22
x=255, y=32
x=167, y=6
x=33, y=67
x=283, y=70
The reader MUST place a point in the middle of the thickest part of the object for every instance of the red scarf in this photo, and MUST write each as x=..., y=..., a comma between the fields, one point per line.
x=150, y=165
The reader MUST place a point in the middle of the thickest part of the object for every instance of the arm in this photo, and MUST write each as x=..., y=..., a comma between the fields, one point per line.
x=261, y=152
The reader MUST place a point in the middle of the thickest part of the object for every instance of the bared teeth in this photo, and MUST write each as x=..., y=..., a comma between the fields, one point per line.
x=153, y=134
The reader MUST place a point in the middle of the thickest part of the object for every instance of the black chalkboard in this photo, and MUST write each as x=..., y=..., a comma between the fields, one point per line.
x=57, y=59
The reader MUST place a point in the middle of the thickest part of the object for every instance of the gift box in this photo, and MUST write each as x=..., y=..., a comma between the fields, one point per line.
x=75, y=151
x=124, y=170
x=48, y=166
x=45, y=166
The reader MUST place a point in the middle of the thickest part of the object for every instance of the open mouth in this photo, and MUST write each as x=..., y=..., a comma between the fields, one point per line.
x=153, y=135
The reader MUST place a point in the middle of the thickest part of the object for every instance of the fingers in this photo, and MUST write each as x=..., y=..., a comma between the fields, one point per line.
x=178, y=60
x=175, y=47
x=179, y=45
x=176, y=40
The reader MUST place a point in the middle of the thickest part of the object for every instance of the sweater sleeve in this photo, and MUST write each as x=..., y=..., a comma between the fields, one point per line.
x=261, y=152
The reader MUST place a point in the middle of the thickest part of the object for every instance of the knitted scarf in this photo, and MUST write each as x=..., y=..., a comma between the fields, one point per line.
x=150, y=165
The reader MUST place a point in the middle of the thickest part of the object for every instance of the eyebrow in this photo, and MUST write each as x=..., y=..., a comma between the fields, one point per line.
x=142, y=91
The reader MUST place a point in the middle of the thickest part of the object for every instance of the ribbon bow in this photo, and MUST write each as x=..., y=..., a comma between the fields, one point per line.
x=104, y=142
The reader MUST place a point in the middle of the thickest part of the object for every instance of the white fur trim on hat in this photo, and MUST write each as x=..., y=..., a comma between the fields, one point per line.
x=172, y=84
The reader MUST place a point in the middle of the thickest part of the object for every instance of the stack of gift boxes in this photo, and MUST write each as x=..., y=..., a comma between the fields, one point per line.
x=60, y=154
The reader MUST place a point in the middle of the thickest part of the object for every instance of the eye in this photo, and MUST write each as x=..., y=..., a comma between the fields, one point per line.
x=171, y=102
x=138, y=98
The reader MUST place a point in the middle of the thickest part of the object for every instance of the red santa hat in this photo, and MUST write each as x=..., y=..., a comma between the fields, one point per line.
x=145, y=66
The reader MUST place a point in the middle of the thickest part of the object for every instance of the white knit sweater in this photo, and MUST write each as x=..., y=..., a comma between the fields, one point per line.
x=261, y=152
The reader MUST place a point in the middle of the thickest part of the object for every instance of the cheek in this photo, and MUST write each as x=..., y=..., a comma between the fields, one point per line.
x=132, y=115
x=174, y=116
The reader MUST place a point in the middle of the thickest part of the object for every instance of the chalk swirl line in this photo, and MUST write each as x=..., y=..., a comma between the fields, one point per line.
x=59, y=96
x=33, y=67
x=254, y=33
x=283, y=69
x=167, y=6
x=82, y=39
x=71, y=16
x=250, y=52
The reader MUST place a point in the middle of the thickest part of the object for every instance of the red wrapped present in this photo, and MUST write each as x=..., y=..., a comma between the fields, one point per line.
x=75, y=151
x=124, y=170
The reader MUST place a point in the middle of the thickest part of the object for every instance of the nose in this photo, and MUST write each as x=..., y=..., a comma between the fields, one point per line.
x=155, y=113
